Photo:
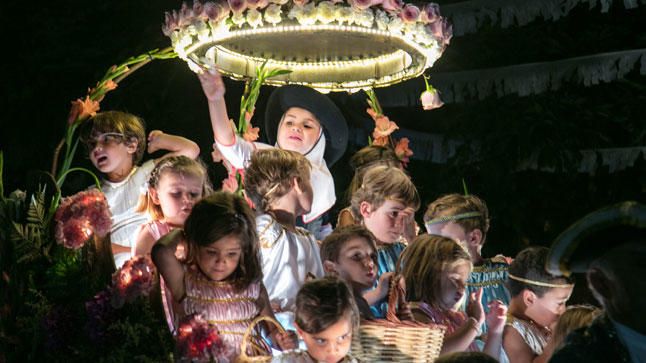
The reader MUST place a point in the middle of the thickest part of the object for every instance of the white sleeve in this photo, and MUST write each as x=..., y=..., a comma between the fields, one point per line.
x=240, y=151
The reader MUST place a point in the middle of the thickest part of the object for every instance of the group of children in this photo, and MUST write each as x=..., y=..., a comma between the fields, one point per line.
x=219, y=258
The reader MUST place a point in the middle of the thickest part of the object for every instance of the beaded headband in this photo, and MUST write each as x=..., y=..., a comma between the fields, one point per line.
x=452, y=218
x=538, y=283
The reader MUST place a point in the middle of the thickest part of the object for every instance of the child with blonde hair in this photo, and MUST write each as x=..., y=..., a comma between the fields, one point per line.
x=385, y=204
x=222, y=276
x=466, y=218
x=538, y=298
x=115, y=143
x=174, y=186
x=436, y=269
x=574, y=317
x=362, y=161
x=326, y=318
x=278, y=183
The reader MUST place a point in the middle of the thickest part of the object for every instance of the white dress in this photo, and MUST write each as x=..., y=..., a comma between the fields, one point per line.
x=122, y=198
x=239, y=153
x=287, y=260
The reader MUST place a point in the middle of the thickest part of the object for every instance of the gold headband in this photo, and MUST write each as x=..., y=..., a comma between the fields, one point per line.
x=452, y=218
x=538, y=283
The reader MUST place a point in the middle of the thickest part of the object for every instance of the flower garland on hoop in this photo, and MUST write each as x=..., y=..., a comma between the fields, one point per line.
x=235, y=179
x=381, y=135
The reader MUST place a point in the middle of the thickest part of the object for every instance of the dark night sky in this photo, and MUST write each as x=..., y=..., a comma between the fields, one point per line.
x=54, y=52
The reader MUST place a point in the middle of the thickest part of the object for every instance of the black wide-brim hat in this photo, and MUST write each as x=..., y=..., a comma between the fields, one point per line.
x=328, y=114
x=595, y=234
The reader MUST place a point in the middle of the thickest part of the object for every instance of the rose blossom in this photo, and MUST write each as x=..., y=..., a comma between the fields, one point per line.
x=442, y=30
x=360, y=4
x=185, y=15
x=325, y=12
x=272, y=14
x=410, y=13
x=257, y=4
x=392, y=5
x=80, y=216
x=214, y=11
x=430, y=13
x=300, y=2
x=431, y=99
x=254, y=18
x=198, y=9
x=171, y=23
x=237, y=6
x=134, y=279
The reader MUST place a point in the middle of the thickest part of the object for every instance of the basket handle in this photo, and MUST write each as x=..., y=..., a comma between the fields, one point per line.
x=395, y=293
x=246, y=339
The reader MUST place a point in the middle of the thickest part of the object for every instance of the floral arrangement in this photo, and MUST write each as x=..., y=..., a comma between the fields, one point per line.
x=81, y=216
x=381, y=135
x=55, y=255
x=197, y=341
x=202, y=21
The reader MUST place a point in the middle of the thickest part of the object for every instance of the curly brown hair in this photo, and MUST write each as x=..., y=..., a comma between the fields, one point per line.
x=270, y=174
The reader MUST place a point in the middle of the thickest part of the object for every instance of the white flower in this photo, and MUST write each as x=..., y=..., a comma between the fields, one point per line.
x=238, y=19
x=344, y=14
x=279, y=2
x=254, y=18
x=309, y=15
x=396, y=25
x=272, y=14
x=325, y=12
x=295, y=12
x=202, y=30
x=364, y=17
x=382, y=19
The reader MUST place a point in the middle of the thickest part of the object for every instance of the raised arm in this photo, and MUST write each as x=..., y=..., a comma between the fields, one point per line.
x=144, y=242
x=176, y=145
x=169, y=267
x=213, y=88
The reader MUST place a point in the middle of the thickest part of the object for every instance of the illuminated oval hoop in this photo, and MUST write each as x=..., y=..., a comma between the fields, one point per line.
x=340, y=55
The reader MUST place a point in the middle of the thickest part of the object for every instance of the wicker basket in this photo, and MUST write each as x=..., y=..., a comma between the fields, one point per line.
x=252, y=348
x=393, y=340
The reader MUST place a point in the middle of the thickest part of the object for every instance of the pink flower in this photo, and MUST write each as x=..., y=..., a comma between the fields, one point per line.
x=185, y=15
x=360, y=4
x=198, y=341
x=410, y=13
x=380, y=141
x=82, y=109
x=442, y=30
x=431, y=99
x=237, y=6
x=402, y=150
x=430, y=13
x=171, y=23
x=198, y=9
x=80, y=216
x=216, y=11
x=392, y=6
x=300, y=2
x=134, y=279
x=257, y=4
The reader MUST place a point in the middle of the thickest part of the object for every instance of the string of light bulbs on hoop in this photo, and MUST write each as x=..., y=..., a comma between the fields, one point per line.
x=344, y=45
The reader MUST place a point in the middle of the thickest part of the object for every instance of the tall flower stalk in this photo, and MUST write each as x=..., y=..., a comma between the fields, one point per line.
x=381, y=135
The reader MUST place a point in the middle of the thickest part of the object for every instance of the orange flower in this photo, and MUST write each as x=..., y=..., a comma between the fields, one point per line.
x=82, y=109
x=251, y=134
x=109, y=85
x=380, y=141
x=383, y=127
x=402, y=150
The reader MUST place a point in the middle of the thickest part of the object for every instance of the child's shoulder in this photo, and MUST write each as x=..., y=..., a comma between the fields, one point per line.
x=269, y=230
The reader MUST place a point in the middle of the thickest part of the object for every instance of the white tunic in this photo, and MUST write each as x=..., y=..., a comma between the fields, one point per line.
x=122, y=198
x=287, y=259
x=239, y=153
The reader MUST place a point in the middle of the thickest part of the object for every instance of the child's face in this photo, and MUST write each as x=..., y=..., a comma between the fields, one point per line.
x=221, y=258
x=176, y=194
x=332, y=344
x=453, y=283
x=547, y=309
x=110, y=153
x=356, y=263
x=386, y=222
x=298, y=131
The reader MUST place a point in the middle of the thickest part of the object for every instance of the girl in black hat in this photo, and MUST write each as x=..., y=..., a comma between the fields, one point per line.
x=297, y=118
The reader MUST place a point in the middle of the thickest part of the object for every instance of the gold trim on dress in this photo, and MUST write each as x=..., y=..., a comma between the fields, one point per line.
x=222, y=300
x=233, y=321
x=483, y=268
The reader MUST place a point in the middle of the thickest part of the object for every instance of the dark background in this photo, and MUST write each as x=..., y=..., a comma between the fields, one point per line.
x=53, y=52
